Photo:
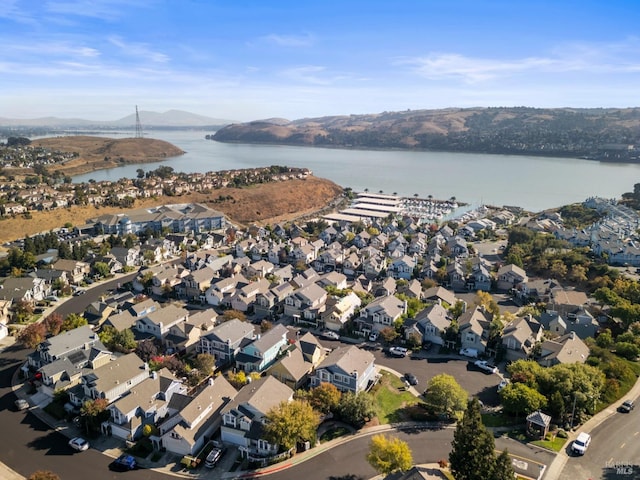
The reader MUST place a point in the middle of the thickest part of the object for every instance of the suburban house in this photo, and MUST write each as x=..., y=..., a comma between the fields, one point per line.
x=338, y=310
x=565, y=349
x=114, y=379
x=226, y=339
x=474, y=329
x=520, y=336
x=295, y=367
x=75, y=270
x=26, y=289
x=305, y=303
x=63, y=344
x=430, y=324
x=194, y=419
x=402, y=267
x=263, y=351
x=510, y=276
x=145, y=404
x=158, y=322
x=184, y=337
x=242, y=419
x=380, y=313
x=350, y=369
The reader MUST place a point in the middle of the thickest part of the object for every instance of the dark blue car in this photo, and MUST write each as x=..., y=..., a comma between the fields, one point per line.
x=124, y=462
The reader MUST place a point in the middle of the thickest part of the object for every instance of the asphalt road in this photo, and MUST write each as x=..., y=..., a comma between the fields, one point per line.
x=614, y=453
x=27, y=444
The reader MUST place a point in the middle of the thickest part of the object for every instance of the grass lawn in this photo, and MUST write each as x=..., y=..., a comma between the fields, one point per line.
x=499, y=420
x=390, y=400
x=333, y=433
x=554, y=444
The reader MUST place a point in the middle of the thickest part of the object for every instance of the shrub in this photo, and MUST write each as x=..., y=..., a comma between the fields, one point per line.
x=443, y=463
x=562, y=434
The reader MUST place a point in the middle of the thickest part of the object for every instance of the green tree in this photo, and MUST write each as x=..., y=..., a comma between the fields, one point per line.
x=472, y=455
x=291, y=422
x=73, y=320
x=445, y=396
x=238, y=379
x=604, y=339
x=204, y=362
x=124, y=341
x=504, y=467
x=325, y=397
x=389, y=455
x=356, y=408
x=518, y=398
x=102, y=269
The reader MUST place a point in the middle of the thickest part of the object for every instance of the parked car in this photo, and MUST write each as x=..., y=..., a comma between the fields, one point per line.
x=411, y=379
x=124, y=462
x=398, y=351
x=627, y=406
x=213, y=457
x=79, y=444
x=79, y=292
x=580, y=444
x=503, y=383
x=21, y=404
x=469, y=352
x=330, y=335
x=485, y=366
x=373, y=336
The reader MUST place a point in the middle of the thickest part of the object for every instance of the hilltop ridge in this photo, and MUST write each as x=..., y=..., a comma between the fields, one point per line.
x=609, y=134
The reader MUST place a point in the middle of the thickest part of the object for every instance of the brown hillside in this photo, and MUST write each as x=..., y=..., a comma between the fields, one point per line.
x=264, y=203
x=96, y=153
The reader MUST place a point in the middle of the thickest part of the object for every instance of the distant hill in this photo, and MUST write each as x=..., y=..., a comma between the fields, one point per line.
x=609, y=134
x=171, y=118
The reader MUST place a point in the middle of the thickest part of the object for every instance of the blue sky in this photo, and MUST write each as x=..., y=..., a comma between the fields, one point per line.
x=245, y=60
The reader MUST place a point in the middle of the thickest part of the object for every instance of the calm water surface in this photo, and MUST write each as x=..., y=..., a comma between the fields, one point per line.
x=534, y=183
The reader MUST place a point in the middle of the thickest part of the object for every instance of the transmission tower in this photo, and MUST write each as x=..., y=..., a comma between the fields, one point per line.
x=138, y=125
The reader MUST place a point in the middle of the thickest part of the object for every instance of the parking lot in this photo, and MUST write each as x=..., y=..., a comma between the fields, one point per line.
x=426, y=365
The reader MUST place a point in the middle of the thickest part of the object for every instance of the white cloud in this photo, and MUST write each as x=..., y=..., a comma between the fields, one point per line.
x=577, y=57
x=140, y=50
x=101, y=9
x=289, y=40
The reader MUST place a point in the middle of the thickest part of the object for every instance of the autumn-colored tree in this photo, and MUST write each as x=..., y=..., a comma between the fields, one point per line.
x=325, y=397
x=389, y=455
x=291, y=422
x=238, y=379
x=53, y=323
x=43, y=475
x=22, y=311
x=93, y=413
x=231, y=314
x=32, y=335
x=388, y=334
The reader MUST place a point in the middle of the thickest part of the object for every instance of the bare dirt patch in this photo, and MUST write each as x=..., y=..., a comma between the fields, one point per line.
x=264, y=203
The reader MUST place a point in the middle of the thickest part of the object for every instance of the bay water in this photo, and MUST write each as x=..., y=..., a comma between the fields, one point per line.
x=533, y=183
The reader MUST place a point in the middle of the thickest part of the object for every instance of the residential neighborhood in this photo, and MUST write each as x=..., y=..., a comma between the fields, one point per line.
x=222, y=324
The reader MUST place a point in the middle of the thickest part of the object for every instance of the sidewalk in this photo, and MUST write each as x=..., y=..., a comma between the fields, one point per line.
x=554, y=470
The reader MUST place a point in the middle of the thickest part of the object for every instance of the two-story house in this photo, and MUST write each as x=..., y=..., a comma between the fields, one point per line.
x=226, y=339
x=520, y=336
x=474, y=329
x=116, y=378
x=263, y=351
x=305, y=303
x=193, y=420
x=243, y=418
x=294, y=368
x=380, y=313
x=158, y=322
x=349, y=368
